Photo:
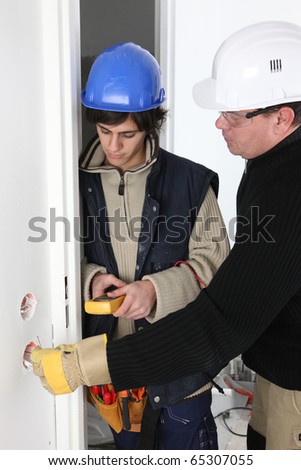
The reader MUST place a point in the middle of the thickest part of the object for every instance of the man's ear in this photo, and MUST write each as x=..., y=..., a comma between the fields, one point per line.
x=285, y=117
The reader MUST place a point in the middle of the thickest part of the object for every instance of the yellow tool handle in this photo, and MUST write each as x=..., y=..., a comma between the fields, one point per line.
x=103, y=305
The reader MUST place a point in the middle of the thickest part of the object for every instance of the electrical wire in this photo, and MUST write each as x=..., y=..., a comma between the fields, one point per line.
x=226, y=413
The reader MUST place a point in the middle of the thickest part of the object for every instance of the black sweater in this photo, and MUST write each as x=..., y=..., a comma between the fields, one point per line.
x=253, y=304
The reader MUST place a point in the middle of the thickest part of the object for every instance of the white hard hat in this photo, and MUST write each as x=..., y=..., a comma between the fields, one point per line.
x=256, y=67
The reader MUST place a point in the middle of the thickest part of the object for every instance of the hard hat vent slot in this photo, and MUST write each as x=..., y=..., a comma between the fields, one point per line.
x=275, y=65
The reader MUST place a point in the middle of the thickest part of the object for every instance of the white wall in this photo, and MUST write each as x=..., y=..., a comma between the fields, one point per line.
x=39, y=119
x=191, y=32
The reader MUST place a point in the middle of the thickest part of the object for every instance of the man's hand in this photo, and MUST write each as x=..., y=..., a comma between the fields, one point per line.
x=140, y=298
x=65, y=368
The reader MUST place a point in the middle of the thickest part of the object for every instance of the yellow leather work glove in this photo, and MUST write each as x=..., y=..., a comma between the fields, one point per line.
x=67, y=367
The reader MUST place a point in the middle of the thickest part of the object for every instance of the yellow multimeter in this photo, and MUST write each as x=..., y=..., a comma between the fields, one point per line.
x=103, y=305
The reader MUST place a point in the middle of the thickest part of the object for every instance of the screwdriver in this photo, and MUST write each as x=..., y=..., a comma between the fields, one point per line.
x=107, y=398
x=125, y=410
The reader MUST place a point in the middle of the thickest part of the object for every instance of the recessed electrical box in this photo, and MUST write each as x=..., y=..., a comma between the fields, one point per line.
x=26, y=354
x=28, y=306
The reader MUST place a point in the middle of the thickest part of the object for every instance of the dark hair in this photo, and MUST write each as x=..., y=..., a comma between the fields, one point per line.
x=295, y=106
x=150, y=121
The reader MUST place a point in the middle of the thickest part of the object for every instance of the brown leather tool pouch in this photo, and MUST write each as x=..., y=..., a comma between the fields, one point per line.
x=113, y=413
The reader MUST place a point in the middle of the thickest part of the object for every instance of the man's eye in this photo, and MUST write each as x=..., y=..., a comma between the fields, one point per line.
x=128, y=135
x=236, y=117
x=104, y=131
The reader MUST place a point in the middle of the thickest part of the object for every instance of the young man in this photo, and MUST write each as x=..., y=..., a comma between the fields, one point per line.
x=145, y=210
x=253, y=304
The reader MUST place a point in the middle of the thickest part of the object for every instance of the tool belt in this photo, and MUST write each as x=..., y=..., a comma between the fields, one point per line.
x=121, y=410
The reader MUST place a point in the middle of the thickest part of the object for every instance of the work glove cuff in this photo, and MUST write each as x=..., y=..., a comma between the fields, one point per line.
x=87, y=365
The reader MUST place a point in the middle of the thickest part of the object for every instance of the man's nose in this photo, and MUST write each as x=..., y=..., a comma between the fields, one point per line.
x=115, y=142
x=221, y=122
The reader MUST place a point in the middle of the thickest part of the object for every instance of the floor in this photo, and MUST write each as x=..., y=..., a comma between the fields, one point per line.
x=231, y=412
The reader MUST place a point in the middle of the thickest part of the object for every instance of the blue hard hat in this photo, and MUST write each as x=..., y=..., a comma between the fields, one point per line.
x=124, y=78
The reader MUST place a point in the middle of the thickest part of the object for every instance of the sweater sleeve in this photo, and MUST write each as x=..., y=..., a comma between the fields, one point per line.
x=88, y=271
x=208, y=248
x=258, y=279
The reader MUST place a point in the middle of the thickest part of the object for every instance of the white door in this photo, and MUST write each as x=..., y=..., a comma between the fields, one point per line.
x=39, y=269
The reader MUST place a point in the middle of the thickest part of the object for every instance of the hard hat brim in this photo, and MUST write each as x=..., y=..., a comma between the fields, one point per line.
x=117, y=107
x=204, y=95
